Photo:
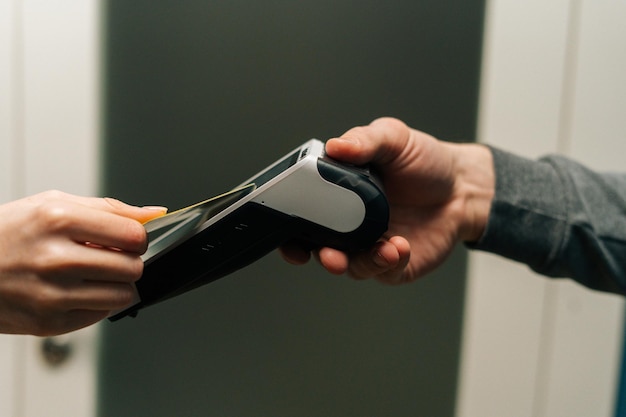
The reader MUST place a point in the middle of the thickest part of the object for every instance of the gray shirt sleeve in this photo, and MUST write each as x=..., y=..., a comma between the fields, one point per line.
x=560, y=218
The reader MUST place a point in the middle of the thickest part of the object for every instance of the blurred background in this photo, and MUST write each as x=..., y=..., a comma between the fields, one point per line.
x=168, y=103
x=200, y=96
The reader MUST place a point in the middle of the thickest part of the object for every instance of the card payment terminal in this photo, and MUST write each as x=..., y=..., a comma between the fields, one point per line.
x=304, y=196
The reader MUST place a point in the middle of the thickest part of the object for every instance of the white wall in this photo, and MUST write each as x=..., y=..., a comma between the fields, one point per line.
x=49, y=123
x=10, y=347
x=554, y=80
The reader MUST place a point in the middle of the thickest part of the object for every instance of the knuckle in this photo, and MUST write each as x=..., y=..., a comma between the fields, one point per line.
x=113, y=202
x=52, y=195
x=136, y=236
x=135, y=270
x=392, y=123
x=54, y=216
x=358, y=131
x=49, y=298
x=123, y=296
x=51, y=257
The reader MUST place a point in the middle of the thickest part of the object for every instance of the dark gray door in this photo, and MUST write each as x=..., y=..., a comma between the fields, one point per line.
x=202, y=94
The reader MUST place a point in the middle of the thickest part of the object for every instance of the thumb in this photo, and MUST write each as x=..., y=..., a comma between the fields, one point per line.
x=379, y=142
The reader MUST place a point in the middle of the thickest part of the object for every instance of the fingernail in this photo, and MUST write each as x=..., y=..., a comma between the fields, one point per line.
x=345, y=140
x=156, y=208
x=380, y=260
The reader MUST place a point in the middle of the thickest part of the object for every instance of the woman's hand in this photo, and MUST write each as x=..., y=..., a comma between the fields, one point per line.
x=66, y=261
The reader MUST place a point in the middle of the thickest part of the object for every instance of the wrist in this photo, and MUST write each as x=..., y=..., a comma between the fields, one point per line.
x=474, y=188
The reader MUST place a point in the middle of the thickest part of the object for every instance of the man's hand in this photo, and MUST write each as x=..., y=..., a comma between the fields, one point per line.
x=439, y=194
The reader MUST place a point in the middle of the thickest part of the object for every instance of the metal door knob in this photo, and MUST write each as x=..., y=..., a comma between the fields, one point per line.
x=56, y=350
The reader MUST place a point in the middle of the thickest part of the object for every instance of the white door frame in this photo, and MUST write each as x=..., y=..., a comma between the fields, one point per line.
x=49, y=135
x=535, y=347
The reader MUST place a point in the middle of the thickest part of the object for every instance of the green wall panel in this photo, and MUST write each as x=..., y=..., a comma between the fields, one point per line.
x=202, y=94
